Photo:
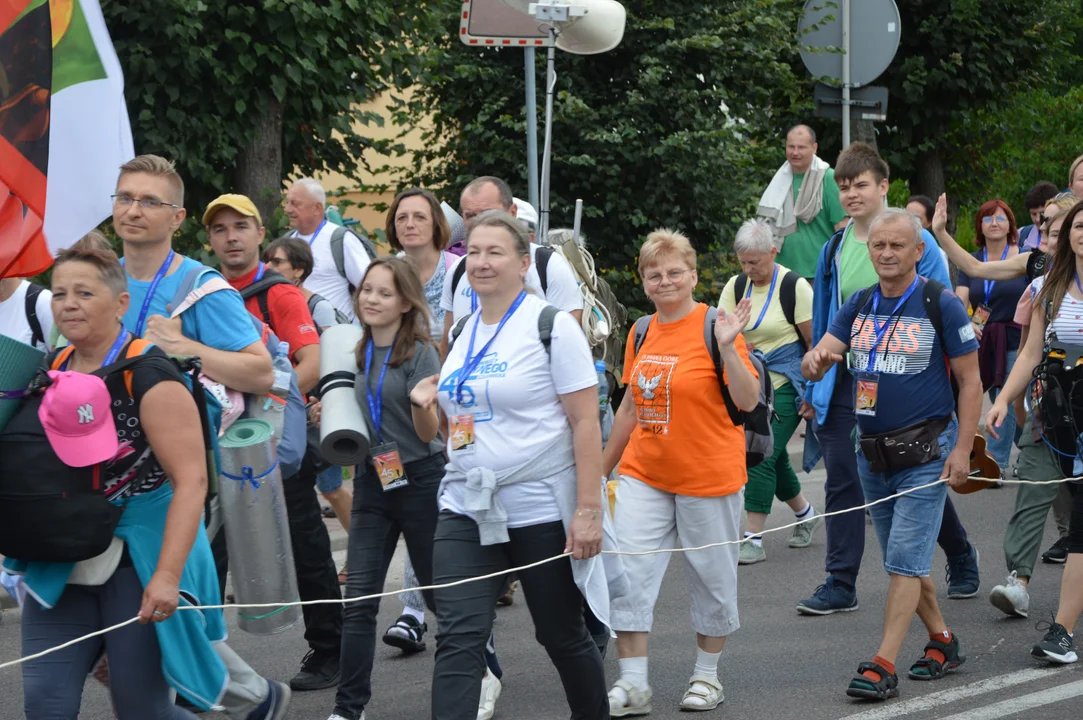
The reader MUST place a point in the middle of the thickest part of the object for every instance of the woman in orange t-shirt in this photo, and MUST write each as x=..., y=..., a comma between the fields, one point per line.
x=682, y=471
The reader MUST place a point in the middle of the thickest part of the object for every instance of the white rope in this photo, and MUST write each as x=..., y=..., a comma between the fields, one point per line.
x=501, y=573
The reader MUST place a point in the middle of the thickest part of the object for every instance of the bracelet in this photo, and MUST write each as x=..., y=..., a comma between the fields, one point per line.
x=593, y=514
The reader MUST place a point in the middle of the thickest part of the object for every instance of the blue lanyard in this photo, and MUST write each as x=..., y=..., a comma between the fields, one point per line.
x=376, y=404
x=990, y=283
x=472, y=361
x=473, y=301
x=767, y=302
x=1077, y=285
x=313, y=238
x=259, y=273
x=881, y=330
x=111, y=358
x=140, y=324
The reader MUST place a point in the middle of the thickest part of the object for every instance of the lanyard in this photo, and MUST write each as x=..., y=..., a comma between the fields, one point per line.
x=313, y=238
x=259, y=273
x=881, y=330
x=472, y=361
x=1077, y=285
x=767, y=302
x=990, y=283
x=376, y=404
x=473, y=301
x=111, y=358
x=140, y=323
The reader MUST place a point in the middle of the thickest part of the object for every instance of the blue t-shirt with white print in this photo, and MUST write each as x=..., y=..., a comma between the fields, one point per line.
x=219, y=320
x=914, y=385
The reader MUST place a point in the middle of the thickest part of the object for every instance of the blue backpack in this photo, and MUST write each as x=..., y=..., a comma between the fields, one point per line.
x=291, y=449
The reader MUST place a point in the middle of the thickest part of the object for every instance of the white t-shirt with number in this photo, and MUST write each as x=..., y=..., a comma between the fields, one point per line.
x=325, y=279
x=513, y=398
x=13, y=321
x=562, y=290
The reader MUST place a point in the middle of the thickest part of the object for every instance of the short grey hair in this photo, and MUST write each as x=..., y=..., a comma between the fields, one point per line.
x=559, y=236
x=314, y=188
x=502, y=189
x=505, y=221
x=754, y=236
x=898, y=215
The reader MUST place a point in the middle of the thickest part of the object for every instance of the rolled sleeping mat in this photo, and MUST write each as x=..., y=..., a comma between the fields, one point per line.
x=253, y=509
x=344, y=435
x=18, y=364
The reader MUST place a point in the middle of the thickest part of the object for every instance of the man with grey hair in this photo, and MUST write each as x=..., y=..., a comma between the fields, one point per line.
x=911, y=433
x=340, y=257
x=802, y=203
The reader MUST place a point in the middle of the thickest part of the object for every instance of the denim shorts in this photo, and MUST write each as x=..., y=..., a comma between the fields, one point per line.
x=907, y=526
x=329, y=480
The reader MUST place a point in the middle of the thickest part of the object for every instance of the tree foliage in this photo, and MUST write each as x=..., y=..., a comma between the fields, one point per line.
x=228, y=90
x=680, y=126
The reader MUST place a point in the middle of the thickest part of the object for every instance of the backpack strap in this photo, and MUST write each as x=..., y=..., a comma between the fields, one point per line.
x=711, y=341
x=259, y=290
x=739, y=287
x=931, y=295
x=639, y=331
x=188, y=294
x=62, y=357
x=545, y=327
x=787, y=295
x=135, y=350
x=456, y=331
x=456, y=276
x=338, y=252
x=541, y=259
x=37, y=337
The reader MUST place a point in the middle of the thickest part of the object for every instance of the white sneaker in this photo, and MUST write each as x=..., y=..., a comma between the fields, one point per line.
x=626, y=699
x=1011, y=598
x=703, y=693
x=336, y=716
x=490, y=691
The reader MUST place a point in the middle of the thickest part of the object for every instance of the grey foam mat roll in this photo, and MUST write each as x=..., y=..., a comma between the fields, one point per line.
x=344, y=435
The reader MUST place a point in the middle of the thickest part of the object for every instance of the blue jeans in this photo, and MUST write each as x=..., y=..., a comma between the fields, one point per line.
x=329, y=480
x=907, y=526
x=1001, y=448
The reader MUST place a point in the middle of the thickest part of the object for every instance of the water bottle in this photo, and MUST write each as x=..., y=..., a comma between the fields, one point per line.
x=603, y=385
x=283, y=371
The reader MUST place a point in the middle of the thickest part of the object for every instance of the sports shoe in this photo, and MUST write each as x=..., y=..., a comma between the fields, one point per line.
x=1058, y=553
x=802, y=534
x=962, y=574
x=1056, y=646
x=318, y=672
x=828, y=599
x=490, y=692
x=336, y=716
x=275, y=705
x=625, y=699
x=1011, y=598
x=703, y=693
x=750, y=554
x=407, y=634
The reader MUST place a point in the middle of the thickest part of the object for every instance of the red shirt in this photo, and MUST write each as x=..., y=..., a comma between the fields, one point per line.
x=290, y=318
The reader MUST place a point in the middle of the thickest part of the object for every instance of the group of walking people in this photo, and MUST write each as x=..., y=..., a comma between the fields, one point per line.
x=480, y=394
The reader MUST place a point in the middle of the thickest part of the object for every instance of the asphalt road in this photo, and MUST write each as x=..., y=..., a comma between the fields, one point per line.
x=778, y=665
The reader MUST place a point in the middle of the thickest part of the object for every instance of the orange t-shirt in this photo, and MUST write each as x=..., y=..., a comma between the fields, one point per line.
x=684, y=441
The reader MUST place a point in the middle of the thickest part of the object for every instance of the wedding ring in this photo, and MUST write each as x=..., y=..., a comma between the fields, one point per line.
x=159, y=613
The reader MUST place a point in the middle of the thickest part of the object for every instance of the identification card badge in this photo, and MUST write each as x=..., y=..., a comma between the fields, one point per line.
x=462, y=434
x=865, y=401
x=981, y=315
x=388, y=464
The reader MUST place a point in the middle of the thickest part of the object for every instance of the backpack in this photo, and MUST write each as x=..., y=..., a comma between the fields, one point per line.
x=787, y=295
x=291, y=449
x=759, y=437
x=40, y=495
x=338, y=252
x=37, y=336
x=545, y=329
x=259, y=289
x=541, y=264
x=315, y=300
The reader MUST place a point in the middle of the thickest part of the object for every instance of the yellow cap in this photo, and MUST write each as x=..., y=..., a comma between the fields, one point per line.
x=240, y=203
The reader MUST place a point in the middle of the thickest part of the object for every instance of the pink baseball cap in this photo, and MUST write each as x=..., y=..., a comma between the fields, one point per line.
x=77, y=416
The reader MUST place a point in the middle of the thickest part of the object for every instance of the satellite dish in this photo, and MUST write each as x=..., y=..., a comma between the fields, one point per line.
x=594, y=26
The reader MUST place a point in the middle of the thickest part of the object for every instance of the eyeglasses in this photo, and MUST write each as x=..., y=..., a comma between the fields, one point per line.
x=674, y=276
x=988, y=219
x=145, y=203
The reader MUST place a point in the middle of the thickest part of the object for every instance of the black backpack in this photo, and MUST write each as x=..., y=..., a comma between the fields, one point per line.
x=259, y=290
x=314, y=300
x=541, y=263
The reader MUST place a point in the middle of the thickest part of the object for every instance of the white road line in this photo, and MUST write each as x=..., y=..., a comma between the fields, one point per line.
x=1022, y=703
x=893, y=709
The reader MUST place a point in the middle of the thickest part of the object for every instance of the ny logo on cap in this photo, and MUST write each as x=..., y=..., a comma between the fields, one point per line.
x=86, y=414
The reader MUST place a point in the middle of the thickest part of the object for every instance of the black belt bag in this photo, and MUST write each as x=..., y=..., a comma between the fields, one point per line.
x=904, y=448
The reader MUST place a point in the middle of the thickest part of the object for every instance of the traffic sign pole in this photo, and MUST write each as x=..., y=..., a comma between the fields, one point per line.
x=531, y=128
x=845, y=74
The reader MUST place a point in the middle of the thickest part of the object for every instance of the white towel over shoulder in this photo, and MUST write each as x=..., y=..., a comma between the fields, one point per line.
x=777, y=204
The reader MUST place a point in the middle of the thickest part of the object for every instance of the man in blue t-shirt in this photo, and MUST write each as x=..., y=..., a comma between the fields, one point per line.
x=910, y=436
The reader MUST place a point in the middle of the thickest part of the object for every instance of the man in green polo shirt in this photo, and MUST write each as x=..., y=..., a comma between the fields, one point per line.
x=803, y=218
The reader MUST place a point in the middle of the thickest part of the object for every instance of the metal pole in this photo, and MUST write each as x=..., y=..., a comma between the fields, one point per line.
x=578, y=222
x=845, y=74
x=550, y=84
x=531, y=128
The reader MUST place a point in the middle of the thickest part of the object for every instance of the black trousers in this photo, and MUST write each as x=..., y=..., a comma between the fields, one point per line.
x=465, y=615
x=377, y=520
x=317, y=576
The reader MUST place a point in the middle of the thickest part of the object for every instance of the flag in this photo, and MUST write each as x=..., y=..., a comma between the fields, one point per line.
x=64, y=128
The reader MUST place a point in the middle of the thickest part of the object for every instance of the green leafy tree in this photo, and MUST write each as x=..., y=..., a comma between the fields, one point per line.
x=681, y=125
x=242, y=94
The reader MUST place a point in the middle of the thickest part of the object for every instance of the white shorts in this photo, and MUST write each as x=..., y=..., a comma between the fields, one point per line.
x=647, y=518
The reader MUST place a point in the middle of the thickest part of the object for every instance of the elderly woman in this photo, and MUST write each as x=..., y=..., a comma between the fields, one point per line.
x=517, y=369
x=151, y=451
x=679, y=484
x=782, y=305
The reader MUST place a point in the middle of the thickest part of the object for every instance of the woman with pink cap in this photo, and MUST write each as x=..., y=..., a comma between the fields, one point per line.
x=143, y=428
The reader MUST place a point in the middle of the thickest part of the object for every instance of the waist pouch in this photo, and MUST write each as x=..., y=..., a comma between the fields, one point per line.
x=906, y=447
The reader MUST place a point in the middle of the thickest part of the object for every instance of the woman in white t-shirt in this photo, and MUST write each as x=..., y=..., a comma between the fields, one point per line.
x=523, y=482
x=1060, y=297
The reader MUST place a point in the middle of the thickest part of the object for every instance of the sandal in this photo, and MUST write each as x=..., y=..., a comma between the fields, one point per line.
x=407, y=634
x=867, y=688
x=626, y=700
x=703, y=693
x=927, y=668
